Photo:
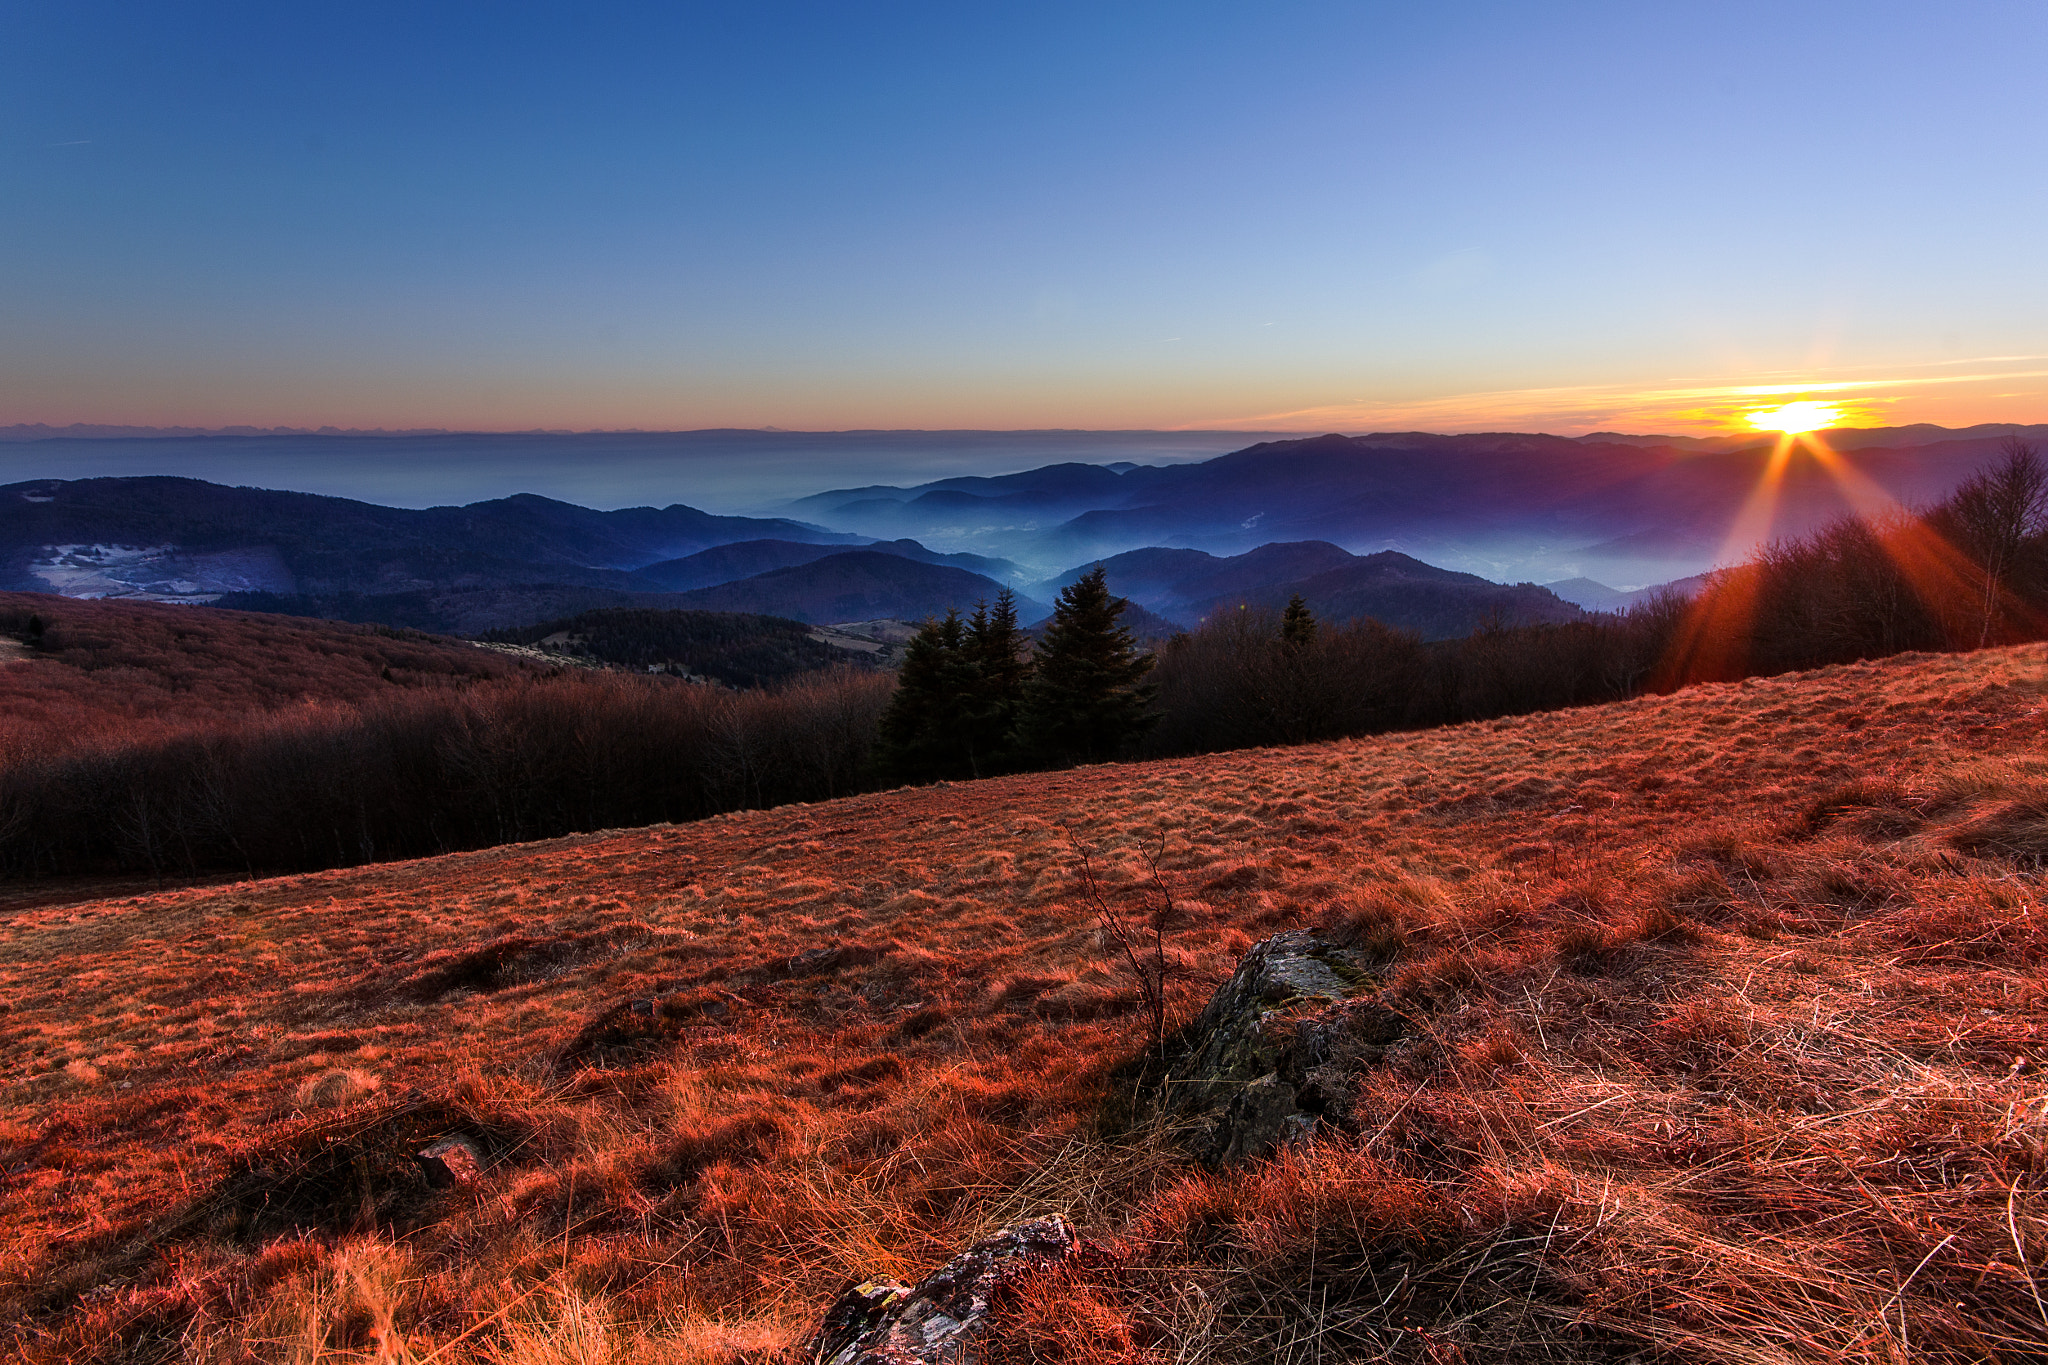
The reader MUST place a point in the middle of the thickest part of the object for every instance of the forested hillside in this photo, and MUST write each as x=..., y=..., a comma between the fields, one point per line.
x=87, y=666
x=734, y=648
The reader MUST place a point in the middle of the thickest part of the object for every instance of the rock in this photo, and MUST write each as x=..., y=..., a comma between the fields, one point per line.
x=828, y=958
x=813, y=960
x=641, y=1006
x=1275, y=1054
x=450, y=1162
x=881, y=1322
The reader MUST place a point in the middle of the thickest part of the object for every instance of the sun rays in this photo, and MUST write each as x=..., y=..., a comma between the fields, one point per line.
x=1711, y=640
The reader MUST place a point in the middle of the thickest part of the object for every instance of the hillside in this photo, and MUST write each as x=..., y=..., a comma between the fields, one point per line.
x=744, y=559
x=738, y=650
x=467, y=611
x=856, y=585
x=111, y=665
x=1726, y=1014
x=1437, y=604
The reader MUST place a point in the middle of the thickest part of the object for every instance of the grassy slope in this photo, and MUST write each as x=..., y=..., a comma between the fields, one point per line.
x=1724, y=996
x=115, y=666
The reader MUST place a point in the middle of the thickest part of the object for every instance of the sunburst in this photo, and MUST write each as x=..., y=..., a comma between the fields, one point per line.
x=1796, y=419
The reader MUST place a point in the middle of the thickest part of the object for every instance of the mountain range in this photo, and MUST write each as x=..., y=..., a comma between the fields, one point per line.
x=1620, y=509
x=507, y=562
x=300, y=542
x=1414, y=529
x=513, y=561
x=1189, y=586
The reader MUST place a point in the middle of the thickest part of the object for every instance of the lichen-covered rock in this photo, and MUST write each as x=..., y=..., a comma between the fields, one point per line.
x=1276, y=1052
x=881, y=1322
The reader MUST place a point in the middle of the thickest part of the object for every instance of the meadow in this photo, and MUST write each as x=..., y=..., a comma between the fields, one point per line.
x=1732, y=1032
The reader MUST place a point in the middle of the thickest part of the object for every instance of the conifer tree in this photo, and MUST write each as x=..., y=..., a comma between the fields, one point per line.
x=921, y=729
x=1297, y=624
x=995, y=674
x=1086, y=699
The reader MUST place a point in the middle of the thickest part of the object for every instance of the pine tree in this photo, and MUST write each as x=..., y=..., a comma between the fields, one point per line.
x=921, y=729
x=995, y=675
x=1297, y=624
x=1086, y=701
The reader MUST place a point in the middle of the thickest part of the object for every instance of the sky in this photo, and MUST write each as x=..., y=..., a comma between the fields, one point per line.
x=1565, y=217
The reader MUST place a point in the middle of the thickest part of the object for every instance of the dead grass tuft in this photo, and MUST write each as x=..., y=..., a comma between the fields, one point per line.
x=337, y=1089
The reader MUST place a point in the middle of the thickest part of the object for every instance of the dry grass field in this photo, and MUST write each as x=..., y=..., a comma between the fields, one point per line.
x=1734, y=1048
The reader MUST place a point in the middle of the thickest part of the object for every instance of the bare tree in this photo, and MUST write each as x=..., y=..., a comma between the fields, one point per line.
x=1147, y=963
x=1993, y=515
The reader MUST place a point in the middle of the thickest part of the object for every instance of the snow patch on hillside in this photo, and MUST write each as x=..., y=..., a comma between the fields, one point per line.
x=159, y=573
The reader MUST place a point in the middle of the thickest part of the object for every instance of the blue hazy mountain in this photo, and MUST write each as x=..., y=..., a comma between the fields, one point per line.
x=1627, y=510
x=1190, y=586
x=56, y=534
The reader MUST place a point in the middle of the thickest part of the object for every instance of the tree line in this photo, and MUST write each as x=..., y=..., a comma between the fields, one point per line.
x=425, y=772
x=977, y=697
x=380, y=767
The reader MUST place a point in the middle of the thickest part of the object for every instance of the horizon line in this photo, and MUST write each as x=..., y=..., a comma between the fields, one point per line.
x=38, y=431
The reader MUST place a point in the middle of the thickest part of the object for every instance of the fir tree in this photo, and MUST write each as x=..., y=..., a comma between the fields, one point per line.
x=995, y=675
x=1086, y=700
x=921, y=731
x=1297, y=624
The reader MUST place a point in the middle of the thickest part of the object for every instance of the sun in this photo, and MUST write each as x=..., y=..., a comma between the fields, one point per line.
x=1795, y=418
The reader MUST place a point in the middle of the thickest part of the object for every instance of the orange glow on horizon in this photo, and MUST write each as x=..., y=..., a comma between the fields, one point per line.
x=1944, y=393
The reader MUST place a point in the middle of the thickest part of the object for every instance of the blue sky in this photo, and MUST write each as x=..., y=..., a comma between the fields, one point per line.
x=1278, y=216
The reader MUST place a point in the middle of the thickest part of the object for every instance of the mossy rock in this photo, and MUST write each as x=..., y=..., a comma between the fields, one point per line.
x=1275, y=1054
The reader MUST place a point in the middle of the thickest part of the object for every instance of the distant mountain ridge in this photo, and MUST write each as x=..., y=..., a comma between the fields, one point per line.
x=1597, y=596
x=1505, y=505
x=857, y=585
x=1839, y=438
x=1190, y=586
x=314, y=544
x=103, y=431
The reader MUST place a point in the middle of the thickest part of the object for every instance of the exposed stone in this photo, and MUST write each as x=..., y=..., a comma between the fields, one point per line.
x=813, y=960
x=1276, y=1053
x=941, y=1317
x=451, y=1162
